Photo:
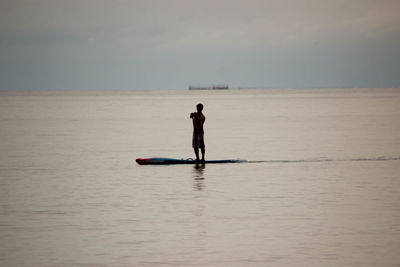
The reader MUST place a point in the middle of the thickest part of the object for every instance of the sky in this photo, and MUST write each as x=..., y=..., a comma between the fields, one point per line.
x=171, y=44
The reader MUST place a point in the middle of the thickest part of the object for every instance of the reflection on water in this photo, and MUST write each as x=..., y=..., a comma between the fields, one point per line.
x=198, y=174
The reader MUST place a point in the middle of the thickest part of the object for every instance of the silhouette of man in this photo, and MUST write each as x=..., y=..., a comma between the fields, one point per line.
x=198, y=119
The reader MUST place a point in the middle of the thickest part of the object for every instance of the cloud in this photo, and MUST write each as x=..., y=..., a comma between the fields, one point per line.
x=206, y=18
x=182, y=23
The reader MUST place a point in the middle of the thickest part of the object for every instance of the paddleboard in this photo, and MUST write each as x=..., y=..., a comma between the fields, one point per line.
x=169, y=161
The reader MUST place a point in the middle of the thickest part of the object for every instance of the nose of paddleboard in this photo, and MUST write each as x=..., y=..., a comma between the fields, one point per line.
x=142, y=161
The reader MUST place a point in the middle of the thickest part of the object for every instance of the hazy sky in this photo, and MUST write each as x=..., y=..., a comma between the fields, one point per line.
x=170, y=44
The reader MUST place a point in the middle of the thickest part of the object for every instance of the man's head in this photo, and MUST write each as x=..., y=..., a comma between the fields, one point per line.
x=199, y=107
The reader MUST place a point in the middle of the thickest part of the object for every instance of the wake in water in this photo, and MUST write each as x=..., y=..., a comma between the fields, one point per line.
x=325, y=160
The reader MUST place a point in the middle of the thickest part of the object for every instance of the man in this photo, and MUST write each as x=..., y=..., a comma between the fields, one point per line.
x=198, y=132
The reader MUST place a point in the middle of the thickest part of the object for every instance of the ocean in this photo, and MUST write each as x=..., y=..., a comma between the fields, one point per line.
x=327, y=192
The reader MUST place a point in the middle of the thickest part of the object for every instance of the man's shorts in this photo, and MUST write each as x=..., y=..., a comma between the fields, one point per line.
x=198, y=140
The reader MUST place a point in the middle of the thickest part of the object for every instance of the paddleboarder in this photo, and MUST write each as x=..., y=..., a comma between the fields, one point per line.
x=198, y=119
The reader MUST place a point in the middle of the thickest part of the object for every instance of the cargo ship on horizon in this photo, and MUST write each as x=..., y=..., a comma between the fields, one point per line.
x=213, y=87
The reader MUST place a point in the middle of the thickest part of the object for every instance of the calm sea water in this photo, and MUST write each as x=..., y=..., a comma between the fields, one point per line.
x=328, y=193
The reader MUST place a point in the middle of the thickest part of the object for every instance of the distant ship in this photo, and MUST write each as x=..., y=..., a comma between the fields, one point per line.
x=213, y=87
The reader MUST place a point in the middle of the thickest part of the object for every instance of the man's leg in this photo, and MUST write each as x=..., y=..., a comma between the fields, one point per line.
x=203, y=152
x=196, y=151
